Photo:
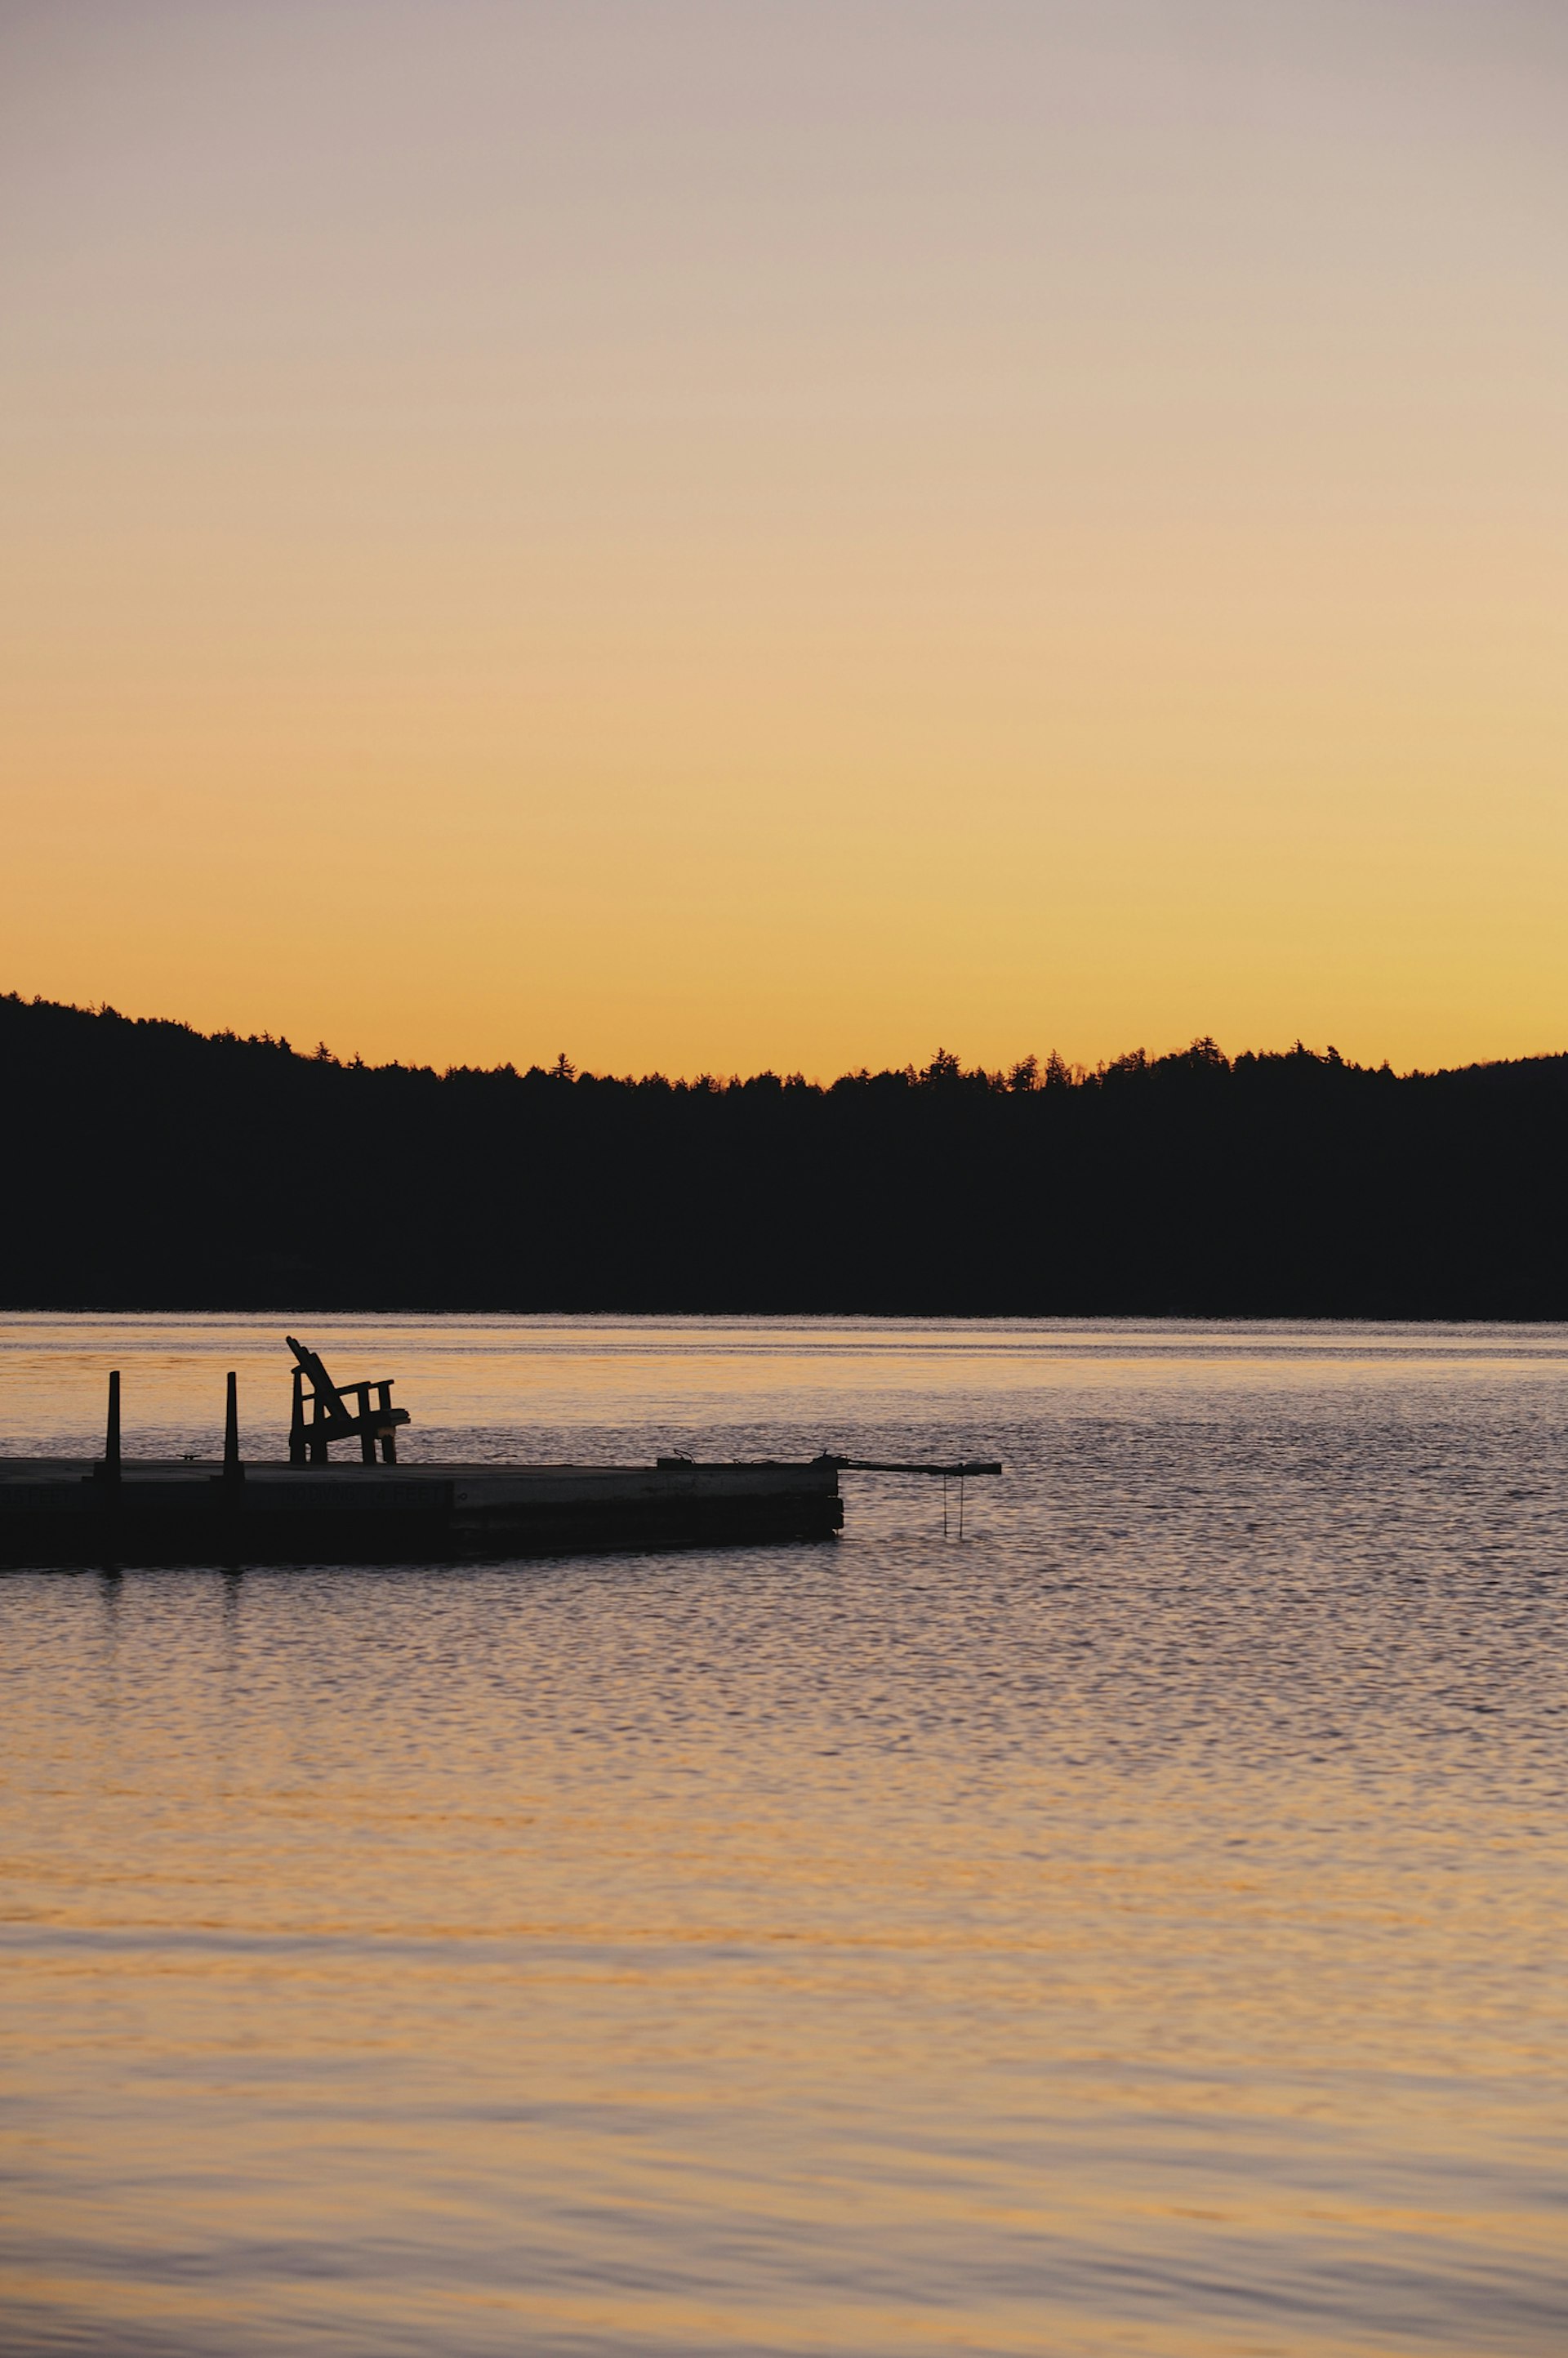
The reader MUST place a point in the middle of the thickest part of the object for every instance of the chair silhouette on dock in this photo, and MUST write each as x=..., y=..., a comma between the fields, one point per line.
x=330, y=1418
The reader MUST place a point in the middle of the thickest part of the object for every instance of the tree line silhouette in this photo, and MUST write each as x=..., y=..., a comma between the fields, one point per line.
x=151, y=1167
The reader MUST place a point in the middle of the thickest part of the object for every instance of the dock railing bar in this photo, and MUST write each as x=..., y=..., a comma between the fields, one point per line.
x=895, y=1465
x=109, y=1471
x=233, y=1472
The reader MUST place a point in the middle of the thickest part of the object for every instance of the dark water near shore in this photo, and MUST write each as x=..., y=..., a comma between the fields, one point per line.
x=1138, y=1927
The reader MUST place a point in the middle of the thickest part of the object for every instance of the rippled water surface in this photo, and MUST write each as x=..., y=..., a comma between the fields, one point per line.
x=1139, y=1927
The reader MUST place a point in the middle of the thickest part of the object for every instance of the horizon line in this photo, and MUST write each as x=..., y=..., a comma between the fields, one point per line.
x=1026, y=1072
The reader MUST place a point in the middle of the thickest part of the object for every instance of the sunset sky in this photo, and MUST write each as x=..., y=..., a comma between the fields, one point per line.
x=712, y=533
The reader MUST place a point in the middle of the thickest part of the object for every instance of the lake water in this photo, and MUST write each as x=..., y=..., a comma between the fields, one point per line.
x=1138, y=1927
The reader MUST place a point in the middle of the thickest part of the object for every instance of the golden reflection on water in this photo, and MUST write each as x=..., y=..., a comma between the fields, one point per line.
x=1140, y=1928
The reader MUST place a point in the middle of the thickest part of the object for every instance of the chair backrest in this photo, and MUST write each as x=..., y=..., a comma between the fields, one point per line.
x=331, y=1405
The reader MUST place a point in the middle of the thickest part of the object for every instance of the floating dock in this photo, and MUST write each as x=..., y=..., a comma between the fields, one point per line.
x=114, y=1509
x=55, y=1510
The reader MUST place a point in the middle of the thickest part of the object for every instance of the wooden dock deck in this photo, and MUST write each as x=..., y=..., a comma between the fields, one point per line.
x=68, y=1510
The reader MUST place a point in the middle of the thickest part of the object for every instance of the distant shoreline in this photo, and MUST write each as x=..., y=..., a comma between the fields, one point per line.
x=155, y=1169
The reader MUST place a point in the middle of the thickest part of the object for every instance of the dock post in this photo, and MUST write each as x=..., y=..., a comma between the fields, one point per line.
x=110, y=1469
x=233, y=1469
x=297, y=1423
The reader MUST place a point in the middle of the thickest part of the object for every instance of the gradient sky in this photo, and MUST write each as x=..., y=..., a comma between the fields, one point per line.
x=714, y=535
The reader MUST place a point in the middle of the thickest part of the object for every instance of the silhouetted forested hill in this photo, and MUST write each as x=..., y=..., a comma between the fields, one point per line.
x=147, y=1166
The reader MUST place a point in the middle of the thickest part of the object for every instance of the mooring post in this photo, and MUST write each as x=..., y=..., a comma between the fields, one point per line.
x=233, y=1469
x=110, y=1469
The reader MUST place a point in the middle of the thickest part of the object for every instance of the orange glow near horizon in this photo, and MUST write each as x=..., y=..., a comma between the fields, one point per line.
x=713, y=539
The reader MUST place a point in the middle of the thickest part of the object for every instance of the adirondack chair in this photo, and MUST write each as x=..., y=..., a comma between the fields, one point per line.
x=311, y=1438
